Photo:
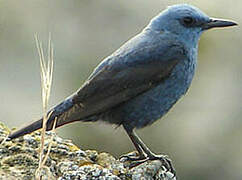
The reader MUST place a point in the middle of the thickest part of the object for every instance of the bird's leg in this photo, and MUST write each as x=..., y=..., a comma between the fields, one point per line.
x=145, y=149
x=142, y=155
x=145, y=153
x=134, y=157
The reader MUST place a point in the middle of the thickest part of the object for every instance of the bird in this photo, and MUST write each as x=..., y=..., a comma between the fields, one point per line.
x=141, y=81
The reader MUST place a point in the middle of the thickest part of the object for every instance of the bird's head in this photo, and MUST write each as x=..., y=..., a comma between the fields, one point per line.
x=186, y=21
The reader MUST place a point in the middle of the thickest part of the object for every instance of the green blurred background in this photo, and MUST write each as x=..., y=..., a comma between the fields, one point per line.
x=202, y=133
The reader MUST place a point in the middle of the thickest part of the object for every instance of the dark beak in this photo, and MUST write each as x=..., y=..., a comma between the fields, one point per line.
x=217, y=23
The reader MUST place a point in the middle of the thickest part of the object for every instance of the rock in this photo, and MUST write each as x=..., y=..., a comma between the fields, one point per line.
x=19, y=160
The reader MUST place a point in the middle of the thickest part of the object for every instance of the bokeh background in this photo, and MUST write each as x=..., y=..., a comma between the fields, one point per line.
x=201, y=134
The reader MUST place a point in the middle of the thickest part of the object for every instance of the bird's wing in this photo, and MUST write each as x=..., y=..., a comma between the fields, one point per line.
x=118, y=81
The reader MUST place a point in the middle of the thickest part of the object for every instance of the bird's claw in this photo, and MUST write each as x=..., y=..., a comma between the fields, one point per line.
x=133, y=159
x=133, y=156
x=166, y=162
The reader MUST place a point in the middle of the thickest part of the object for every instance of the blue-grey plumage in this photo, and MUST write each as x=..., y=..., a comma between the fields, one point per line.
x=143, y=79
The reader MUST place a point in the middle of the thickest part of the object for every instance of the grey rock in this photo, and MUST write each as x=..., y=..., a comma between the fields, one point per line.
x=19, y=160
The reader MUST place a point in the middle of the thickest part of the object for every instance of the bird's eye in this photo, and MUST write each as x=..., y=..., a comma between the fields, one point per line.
x=188, y=21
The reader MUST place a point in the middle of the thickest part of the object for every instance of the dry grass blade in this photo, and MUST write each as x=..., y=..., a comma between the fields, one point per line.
x=50, y=143
x=46, y=72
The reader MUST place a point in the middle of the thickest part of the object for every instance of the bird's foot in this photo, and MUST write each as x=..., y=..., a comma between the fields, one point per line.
x=133, y=156
x=166, y=162
x=133, y=159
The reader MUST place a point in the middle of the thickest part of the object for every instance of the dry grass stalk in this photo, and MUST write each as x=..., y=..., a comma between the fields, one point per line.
x=50, y=143
x=46, y=67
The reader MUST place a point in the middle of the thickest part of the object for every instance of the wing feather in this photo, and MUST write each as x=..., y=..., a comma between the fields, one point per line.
x=117, y=82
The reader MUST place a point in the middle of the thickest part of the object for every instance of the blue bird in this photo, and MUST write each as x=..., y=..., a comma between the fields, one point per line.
x=141, y=81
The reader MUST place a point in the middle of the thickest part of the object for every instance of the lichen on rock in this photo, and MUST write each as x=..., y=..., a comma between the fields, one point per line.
x=19, y=160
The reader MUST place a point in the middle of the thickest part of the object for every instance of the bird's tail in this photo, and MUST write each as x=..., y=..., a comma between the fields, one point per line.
x=59, y=112
x=27, y=129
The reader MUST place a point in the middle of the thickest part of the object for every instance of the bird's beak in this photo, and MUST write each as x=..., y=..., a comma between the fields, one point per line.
x=217, y=23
